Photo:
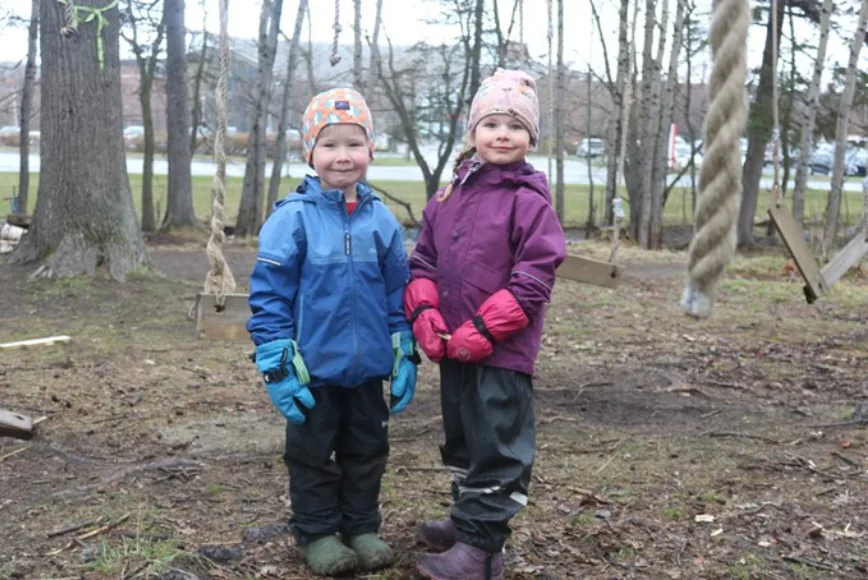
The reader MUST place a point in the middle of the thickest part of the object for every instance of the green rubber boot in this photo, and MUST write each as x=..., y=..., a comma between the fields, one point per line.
x=328, y=556
x=373, y=552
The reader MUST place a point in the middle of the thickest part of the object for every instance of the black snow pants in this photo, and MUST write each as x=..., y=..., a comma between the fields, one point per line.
x=336, y=461
x=490, y=445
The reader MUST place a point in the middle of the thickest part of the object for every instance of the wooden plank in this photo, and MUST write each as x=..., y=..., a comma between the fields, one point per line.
x=22, y=221
x=590, y=271
x=849, y=256
x=815, y=284
x=36, y=342
x=15, y=425
x=229, y=323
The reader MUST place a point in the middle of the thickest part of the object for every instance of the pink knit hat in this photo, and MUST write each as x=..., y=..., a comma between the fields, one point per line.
x=507, y=92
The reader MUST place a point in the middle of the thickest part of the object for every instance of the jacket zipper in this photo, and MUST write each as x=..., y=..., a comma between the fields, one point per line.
x=348, y=250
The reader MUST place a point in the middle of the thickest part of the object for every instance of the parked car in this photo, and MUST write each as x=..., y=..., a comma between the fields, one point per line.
x=591, y=148
x=855, y=162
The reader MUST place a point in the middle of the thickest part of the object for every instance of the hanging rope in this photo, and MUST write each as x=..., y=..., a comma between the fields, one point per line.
x=335, y=57
x=714, y=238
x=219, y=280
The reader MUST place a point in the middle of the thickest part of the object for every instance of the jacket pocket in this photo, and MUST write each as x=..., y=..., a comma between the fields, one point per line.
x=480, y=280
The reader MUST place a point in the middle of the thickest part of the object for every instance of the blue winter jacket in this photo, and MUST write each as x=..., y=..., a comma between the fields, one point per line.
x=332, y=282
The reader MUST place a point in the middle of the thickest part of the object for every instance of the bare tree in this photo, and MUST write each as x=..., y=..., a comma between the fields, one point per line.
x=283, y=124
x=476, y=52
x=759, y=124
x=146, y=59
x=661, y=146
x=201, y=65
x=374, y=65
x=560, y=106
x=26, y=110
x=812, y=103
x=358, y=72
x=250, y=212
x=428, y=110
x=614, y=132
x=833, y=207
x=179, y=201
x=84, y=221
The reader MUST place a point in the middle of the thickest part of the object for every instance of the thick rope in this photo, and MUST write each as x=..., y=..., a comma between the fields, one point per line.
x=70, y=26
x=335, y=57
x=714, y=239
x=219, y=280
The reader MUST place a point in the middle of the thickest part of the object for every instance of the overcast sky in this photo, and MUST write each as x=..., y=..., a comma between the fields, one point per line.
x=404, y=22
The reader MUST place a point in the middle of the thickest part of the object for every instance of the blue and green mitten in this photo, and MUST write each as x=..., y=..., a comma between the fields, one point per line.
x=286, y=378
x=404, y=370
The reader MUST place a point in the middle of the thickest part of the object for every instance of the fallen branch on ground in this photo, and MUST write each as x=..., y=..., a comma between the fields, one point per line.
x=90, y=534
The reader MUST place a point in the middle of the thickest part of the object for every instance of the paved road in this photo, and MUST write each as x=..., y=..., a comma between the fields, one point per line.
x=575, y=171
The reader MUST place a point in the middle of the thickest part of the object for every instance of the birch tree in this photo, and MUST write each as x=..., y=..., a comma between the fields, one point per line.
x=833, y=207
x=283, y=125
x=250, y=211
x=812, y=103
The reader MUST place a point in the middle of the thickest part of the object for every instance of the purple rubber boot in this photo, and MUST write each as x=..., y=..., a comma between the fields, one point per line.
x=462, y=562
x=438, y=536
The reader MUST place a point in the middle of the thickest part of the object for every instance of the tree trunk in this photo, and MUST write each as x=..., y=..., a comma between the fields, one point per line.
x=280, y=152
x=614, y=134
x=833, y=207
x=149, y=219
x=640, y=199
x=250, y=212
x=662, y=145
x=375, y=51
x=84, y=220
x=197, y=94
x=691, y=131
x=358, y=73
x=560, y=109
x=812, y=103
x=590, y=222
x=759, y=132
x=179, y=200
x=27, y=110
x=476, y=54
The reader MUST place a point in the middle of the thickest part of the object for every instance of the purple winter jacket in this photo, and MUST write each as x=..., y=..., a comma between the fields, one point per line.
x=497, y=230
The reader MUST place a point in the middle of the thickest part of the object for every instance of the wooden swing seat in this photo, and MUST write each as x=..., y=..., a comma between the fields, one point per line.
x=818, y=282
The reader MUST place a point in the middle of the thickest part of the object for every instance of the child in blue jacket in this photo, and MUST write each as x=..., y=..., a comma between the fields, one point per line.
x=329, y=326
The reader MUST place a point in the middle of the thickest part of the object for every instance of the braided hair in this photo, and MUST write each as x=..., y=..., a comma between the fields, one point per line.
x=466, y=153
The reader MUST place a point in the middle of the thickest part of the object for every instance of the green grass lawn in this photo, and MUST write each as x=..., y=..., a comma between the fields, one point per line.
x=678, y=210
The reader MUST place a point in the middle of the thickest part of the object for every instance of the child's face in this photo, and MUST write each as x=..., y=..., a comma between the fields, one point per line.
x=341, y=156
x=501, y=139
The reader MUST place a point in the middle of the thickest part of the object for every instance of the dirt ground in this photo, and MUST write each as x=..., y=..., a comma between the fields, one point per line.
x=667, y=447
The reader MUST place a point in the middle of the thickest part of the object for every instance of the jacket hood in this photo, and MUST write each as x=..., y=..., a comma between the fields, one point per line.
x=311, y=191
x=518, y=174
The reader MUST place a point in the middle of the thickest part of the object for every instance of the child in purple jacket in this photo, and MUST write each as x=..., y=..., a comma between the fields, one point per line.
x=480, y=278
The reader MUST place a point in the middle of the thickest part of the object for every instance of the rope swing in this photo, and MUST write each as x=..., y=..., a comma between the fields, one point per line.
x=720, y=186
x=219, y=280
